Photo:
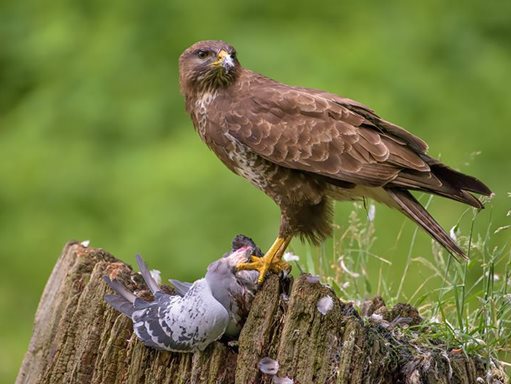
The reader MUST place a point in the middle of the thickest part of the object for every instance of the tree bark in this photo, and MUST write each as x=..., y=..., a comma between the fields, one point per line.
x=79, y=339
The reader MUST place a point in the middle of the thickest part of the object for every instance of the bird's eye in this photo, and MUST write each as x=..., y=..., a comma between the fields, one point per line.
x=202, y=54
x=233, y=54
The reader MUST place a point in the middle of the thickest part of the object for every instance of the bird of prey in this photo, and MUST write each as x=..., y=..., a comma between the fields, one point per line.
x=199, y=313
x=306, y=147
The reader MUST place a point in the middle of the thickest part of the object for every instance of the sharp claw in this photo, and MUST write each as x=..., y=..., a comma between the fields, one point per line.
x=271, y=262
x=260, y=265
x=246, y=266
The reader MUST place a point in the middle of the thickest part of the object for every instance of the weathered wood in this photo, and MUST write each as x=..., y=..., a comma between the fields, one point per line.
x=79, y=339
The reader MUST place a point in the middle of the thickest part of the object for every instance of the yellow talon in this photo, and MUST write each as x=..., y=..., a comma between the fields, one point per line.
x=271, y=261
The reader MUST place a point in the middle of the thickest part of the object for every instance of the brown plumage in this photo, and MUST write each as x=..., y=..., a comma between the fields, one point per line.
x=305, y=147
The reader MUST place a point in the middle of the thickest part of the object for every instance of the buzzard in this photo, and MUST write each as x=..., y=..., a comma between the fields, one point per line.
x=305, y=148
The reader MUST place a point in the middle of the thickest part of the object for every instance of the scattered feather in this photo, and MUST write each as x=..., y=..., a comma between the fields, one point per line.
x=268, y=366
x=378, y=319
x=156, y=275
x=282, y=380
x=371, y=212
x=400, y=322
x=325, y=305
x=289, y=256
x=312, y=279
x=452, y=233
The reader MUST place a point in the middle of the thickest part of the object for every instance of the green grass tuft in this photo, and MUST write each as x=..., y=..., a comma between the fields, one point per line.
x=465, y=306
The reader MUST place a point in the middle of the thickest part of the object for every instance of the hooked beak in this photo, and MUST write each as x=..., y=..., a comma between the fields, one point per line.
x=224, y=59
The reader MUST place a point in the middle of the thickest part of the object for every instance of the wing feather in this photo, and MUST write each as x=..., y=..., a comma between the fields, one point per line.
x=311, y=131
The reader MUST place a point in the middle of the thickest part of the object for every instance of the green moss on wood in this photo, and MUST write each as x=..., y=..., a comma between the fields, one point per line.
x=78, y=339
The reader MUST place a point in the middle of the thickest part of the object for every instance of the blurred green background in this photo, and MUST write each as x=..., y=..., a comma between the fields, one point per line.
x=95, y=143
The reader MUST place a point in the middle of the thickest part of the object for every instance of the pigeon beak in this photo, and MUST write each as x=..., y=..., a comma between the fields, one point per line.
x=242, y=254
x=225, y=60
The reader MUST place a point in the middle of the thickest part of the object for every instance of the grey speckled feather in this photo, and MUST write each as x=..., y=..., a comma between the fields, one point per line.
x=199, y=314
x=181, y=287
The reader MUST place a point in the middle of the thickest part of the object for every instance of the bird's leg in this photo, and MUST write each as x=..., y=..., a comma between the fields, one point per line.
x=271, y=261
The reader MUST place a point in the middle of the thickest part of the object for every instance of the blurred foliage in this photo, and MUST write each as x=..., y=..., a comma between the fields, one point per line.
x=95, y=143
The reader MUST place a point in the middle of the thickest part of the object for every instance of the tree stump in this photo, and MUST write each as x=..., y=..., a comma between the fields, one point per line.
x=79, y=339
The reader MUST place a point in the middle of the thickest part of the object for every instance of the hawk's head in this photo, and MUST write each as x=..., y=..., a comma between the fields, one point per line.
x=207, y=65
